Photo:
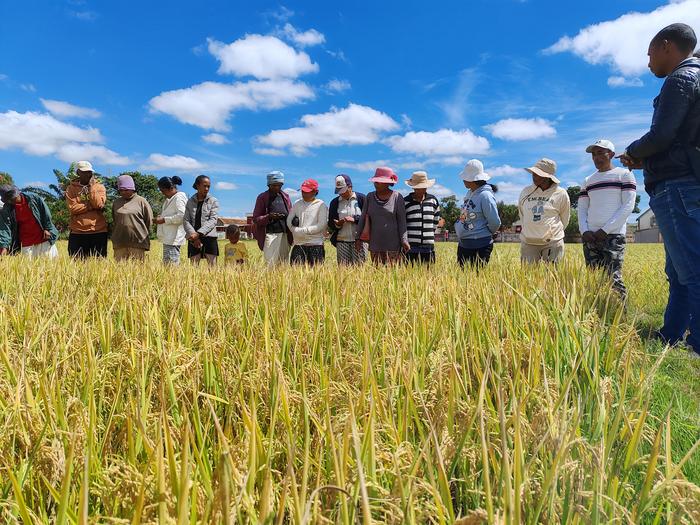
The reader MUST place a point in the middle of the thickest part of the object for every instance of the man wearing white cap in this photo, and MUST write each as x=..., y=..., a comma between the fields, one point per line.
x=545, y=211
x=606, y=200
x=86, y=199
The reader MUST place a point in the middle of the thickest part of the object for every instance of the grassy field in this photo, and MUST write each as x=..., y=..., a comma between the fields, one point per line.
x=144, y=394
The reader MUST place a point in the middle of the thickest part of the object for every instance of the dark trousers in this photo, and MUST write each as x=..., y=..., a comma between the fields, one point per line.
x=83, y=245
x=420, y=257
x=477, y=257
x=310, y=255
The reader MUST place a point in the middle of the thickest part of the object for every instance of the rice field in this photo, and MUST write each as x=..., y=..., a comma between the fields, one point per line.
x=144, y=394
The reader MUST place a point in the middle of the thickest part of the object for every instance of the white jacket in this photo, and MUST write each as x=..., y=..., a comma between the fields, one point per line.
x=172, y=232
x=313, y=222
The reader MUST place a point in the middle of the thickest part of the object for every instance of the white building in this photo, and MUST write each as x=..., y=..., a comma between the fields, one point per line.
x=647, y=228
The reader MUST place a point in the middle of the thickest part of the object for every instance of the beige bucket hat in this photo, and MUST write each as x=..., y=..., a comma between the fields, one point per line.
x=419, y=180
x=545, y=168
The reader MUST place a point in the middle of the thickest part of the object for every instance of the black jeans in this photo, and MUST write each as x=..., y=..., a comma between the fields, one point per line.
x=420, y=257
x=311, y=255
x=83, y=245
x=478, y=256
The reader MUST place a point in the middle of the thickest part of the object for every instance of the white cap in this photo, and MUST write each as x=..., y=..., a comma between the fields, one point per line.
x=602, y=143
x=474, y=171
x=84, y=165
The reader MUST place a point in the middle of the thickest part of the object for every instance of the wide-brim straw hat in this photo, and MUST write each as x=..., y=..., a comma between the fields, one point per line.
x=419, y=180
x=545, y=168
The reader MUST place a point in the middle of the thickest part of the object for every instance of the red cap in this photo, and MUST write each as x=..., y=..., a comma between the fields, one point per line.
x=309, y=185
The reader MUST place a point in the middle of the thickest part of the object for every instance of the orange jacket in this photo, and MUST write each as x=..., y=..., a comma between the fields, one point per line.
x=86, y=206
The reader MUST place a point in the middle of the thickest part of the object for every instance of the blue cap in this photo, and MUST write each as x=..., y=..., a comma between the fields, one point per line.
x=275, y=177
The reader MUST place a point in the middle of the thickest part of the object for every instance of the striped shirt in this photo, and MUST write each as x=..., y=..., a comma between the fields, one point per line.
x=606, y=200
x=421, y=219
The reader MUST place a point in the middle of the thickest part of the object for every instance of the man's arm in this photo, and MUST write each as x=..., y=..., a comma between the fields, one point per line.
x=629, y=197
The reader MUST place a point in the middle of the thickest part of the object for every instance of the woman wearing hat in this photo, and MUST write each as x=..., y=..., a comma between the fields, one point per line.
x=544, y=210
x=270, y=221
x=132, y=217
x=307, y=220
x=479, y=220
x=422, y=217
x=343, y=220
x=383, y=220
x=86, y=199
x=201, y=214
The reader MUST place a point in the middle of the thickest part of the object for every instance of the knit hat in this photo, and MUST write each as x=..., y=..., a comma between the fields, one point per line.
x=125, y=182
x=341, y=184
x=474, y=171
x=545, y=168
x=385, y=175
x=275, y=177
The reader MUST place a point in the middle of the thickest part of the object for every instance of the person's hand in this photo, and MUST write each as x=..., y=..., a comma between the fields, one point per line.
x=630, y=162
x=588, y=237
x=338, y=223
x=47, y=235
x=495, y=236
x=193, y=237
x=406, y=245
x=197, y=243
x=349, y=219
x=600, y=235
x=4, y=251
x=441, y=223
x=463, y=217
x=159, y=220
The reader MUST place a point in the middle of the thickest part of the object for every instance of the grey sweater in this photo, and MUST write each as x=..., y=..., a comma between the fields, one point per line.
x=387, y=222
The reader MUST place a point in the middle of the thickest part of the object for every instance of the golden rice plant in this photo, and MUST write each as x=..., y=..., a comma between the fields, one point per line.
x=143, y=394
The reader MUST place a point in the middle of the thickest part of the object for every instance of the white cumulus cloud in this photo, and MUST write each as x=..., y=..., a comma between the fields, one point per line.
x=42, y=134
x=622, y=43
x=225, y=186
x=65, y=109
x=209, y=105
x=444, y=142
x=337, y=86
x=158, y=161
x=506, y=170
x=270, y=152
x=516, y=129
x=303, y=38
x=215, y=138
x=263, y=57
x=616, y=81
x=353, y=125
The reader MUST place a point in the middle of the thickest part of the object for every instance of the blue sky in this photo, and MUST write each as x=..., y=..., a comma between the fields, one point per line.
x=320, y=88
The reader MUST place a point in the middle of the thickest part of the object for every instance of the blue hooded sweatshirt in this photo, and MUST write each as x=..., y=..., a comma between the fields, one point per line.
x=481, y=219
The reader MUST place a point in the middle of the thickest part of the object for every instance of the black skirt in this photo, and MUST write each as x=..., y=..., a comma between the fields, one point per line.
x=210, y=246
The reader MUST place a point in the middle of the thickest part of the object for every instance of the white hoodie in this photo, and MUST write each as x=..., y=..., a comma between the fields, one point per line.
x=544, y=214
x=313, y=222
x=172, y=233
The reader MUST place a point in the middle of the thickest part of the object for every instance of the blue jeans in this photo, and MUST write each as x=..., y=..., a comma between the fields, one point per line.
x=676, y=205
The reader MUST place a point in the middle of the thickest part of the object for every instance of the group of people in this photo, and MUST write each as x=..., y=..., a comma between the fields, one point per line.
x=392, y=227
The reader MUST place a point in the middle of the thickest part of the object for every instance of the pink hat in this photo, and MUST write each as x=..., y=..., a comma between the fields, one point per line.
x=385, y=175
x=309, y=185
x=125, y=182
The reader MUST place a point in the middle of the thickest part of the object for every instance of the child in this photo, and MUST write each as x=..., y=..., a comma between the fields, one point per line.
x=235, y=252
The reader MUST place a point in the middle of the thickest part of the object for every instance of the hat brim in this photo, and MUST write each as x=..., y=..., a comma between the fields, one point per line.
x=589, y=149
x=306, y=189
x=338, y=191
x=421, y=185
x=383, y=180
x=482, y=176
x=536, y=171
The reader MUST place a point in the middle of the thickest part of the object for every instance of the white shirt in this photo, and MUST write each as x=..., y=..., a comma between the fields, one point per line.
x=606, y=200
x=172, y=232
x=313, y=221
x=348, y=208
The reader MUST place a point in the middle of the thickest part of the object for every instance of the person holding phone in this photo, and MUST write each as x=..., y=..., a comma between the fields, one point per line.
x=270, y=221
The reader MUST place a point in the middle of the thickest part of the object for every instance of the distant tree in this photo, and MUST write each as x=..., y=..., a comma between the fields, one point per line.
x=508, y=214
x=572, y=228
x=636, y=204
x=573, y=192
x=450, y=211
x=6, y=178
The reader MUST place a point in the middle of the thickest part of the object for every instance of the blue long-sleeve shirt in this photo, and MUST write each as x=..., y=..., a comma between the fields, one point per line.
x=481, y=219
